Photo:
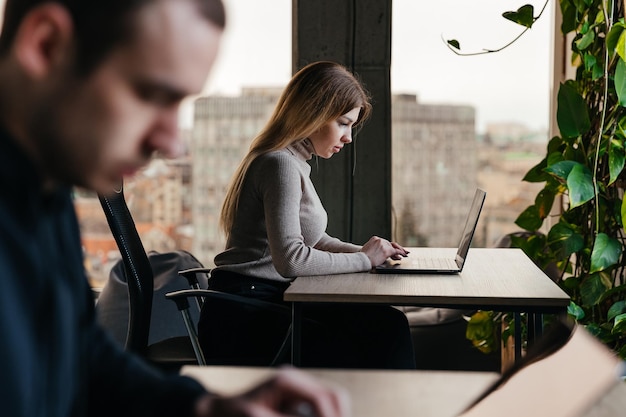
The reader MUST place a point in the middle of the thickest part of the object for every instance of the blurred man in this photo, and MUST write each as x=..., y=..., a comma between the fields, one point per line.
x=89, y=91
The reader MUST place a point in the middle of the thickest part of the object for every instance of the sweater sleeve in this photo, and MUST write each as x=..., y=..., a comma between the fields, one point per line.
x=332, y=244
x=281, y=187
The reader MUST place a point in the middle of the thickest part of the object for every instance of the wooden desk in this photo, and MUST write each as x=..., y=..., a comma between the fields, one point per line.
x=499, y=279
x=372, y=393
x=547, y=387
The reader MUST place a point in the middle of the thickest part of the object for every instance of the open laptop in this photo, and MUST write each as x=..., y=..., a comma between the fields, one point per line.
x=416, y=264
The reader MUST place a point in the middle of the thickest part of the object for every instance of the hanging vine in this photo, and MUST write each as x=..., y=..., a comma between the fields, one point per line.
x=584, y=169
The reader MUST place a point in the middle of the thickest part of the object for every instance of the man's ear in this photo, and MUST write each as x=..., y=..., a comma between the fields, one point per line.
x=43, y=39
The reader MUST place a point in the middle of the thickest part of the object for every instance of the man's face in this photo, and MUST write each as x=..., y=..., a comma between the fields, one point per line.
x=96, y=130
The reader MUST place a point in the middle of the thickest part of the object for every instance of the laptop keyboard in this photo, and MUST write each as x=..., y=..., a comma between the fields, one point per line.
x=434, y=263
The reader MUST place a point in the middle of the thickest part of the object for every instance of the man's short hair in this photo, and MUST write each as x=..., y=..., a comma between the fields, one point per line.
x=99, y=25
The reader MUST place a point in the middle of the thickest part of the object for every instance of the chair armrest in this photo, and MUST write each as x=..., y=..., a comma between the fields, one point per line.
x=195, y=270
x=181, y=299
x=191, y=275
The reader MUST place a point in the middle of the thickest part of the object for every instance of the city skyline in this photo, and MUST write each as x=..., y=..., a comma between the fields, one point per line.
x=438, y=157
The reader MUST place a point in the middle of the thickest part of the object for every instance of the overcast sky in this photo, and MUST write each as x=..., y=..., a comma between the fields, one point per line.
x=512, y=85
x=509, y=86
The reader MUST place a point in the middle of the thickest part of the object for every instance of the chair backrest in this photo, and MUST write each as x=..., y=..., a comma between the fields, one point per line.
x=113, y=302
x=137, y=267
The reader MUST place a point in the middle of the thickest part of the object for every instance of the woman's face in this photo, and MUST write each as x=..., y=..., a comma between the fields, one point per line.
x=331, y=137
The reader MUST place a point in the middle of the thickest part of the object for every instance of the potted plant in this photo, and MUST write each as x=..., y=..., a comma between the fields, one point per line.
x=582, y=203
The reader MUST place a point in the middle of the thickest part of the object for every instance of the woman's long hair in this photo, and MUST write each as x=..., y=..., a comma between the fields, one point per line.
x=318, y=93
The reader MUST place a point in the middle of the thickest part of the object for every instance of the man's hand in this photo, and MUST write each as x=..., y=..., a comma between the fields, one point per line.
x=289, y=393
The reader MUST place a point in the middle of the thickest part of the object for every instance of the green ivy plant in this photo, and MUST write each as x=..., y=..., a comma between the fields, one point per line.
x=582, y=203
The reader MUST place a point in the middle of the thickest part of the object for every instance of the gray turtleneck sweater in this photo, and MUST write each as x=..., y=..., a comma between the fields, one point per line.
x=280, y=225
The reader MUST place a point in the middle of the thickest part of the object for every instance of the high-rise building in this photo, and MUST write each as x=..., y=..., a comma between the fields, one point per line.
x=434, y=171
x=222, y=132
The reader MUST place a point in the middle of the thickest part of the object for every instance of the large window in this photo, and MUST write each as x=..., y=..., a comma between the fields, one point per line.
x=458, y=122
x=461, y=122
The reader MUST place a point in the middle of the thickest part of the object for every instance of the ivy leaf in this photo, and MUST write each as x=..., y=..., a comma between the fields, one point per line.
x=575, y=311
x=580, y=185
x=536, y=173
x=616, y=160
x=615, y=40
x=564, y=240
x=523, y=16
x=529, y=219
x=599, y=16
x=623, y=213
x=481, y=331
x=555, y=145
x=532, y=245
x=616, y=309
x=595, y=330
x=554, y=157
x=572, y=115
x=620, y=48
x=480, y=325
x=621, y=127
x=569, y=13
x=543, y=202
x=561, y=169
x=619, y=327
x=620, y=82
x=621, y=352
x=606, y=253
x=508, y=332
x=590, y=61
x=454, y=43
x=597, y=72
x=592, y=290
x=586, y=40
x=591, y=65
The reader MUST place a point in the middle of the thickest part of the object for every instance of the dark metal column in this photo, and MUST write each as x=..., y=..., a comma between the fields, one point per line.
x=355, y=185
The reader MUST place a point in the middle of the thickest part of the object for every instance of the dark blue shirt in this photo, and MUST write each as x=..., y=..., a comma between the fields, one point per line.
x=54, y=359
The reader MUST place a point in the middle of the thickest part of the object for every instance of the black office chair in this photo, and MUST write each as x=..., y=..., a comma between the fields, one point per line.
x=170, y=353
x=174, y=352
x=249, y=335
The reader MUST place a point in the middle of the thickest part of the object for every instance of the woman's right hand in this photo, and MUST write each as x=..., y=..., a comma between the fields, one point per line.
x=378, y=250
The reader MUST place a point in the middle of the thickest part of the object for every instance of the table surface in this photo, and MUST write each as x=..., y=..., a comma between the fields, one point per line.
x=491, y=278
x=373, y=393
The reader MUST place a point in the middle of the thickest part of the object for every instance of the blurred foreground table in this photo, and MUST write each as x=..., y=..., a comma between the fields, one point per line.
x=374, y=393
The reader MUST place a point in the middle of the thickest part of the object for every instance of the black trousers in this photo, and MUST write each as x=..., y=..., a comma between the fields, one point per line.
x=362, y=336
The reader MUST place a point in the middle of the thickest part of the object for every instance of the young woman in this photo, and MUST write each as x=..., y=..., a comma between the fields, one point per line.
x=275, y=226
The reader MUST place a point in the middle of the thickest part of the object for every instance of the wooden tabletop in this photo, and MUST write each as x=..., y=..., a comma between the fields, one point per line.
x=491, y=278
x=374, y=393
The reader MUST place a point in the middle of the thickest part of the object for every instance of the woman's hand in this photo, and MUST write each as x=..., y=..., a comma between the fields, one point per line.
x=378, y=250
x=289, y=393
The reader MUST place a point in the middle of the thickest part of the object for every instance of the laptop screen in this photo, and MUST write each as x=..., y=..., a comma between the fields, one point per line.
x=470, y=226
